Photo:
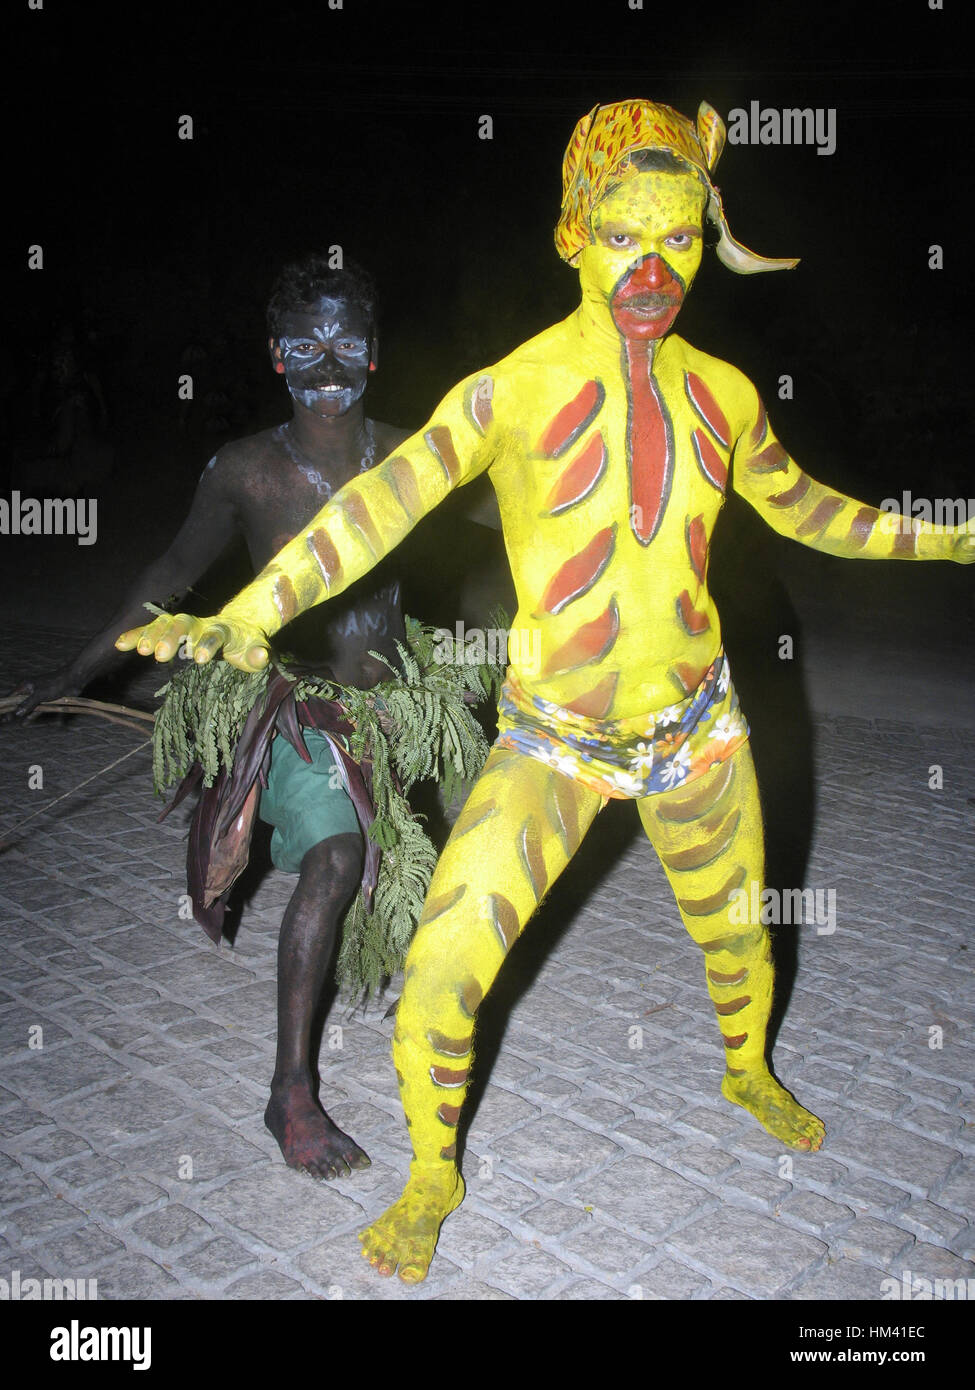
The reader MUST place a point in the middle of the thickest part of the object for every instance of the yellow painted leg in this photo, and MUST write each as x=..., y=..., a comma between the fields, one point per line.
x=520, y=827
x=710, y=841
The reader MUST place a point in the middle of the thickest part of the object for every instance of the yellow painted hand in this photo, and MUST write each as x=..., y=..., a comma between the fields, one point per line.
x=964, y=548
x=935, y=542
x=244, y=645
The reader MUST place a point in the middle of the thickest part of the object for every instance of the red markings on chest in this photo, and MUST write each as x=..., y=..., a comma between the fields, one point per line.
x=697, y=546
x=649, y=444
x=693, y=620
x=572, y=421
x=707, y=408
x=578, y=574
x=577, y=481
x=713, y=466
x=709, y=461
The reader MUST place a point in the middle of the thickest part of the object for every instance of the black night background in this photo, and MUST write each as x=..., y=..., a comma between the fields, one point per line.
x=358, y=127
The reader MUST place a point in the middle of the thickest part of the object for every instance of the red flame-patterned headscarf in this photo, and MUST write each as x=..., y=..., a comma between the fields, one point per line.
x=601, y=143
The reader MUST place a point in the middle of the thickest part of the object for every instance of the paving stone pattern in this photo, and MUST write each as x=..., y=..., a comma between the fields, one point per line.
x=601, y=1162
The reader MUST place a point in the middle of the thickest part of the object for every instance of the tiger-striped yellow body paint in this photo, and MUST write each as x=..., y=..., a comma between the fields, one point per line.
x=610, y=442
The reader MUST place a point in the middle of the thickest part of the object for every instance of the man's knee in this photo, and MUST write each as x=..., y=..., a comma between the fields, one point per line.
x=334, y=863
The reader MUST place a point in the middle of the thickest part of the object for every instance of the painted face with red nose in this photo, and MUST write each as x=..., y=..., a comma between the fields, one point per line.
x=645, y=251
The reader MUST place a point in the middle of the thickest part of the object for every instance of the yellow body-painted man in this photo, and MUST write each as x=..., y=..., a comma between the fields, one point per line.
x=610, y=442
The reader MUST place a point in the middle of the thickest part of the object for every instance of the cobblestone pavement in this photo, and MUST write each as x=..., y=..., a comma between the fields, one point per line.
x=601, y=1161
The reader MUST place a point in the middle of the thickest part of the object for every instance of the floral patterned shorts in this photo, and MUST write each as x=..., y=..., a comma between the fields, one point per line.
x=632, y=757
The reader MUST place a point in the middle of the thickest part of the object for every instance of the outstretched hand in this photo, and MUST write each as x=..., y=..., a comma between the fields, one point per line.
x=965, y=549
x=244, y=645
x=42, y=690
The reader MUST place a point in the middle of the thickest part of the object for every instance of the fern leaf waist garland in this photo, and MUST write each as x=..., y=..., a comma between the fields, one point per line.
x=215, y=729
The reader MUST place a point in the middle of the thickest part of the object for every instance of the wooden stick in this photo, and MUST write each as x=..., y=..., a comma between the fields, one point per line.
x=135, y=719
x=98, y=706
x=7, y=840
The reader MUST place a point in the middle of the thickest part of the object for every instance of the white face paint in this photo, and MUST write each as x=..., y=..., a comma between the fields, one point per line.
x=325, y=350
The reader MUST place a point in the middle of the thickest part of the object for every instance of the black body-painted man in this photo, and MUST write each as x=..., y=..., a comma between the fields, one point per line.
x=265, y=488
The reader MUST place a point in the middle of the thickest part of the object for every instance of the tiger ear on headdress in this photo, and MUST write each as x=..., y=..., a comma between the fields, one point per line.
x=710, y=134
x=711, y=138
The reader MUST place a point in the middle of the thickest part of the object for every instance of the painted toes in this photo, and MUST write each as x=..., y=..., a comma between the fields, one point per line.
x=386, y=1255
x=817, y=1137
x=382, y=1262
x=373, y=1246
x=808, y=1131
x=414, y=1260
x=811, y=1126
x=311, y=1168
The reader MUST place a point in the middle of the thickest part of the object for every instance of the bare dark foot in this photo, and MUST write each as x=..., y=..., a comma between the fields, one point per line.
x=307, y=1137
x=774, y=1108
x=405, y=1236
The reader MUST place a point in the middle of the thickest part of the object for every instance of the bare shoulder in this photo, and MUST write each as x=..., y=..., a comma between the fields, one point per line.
x=526, y=368
x=535, y=354
x=235, y=463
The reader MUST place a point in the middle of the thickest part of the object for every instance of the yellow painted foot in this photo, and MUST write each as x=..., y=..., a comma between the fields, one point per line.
x=405, y=1236
x=775, y=1109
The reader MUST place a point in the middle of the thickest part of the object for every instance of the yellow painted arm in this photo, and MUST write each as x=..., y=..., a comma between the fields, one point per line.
x=797, y=506
x=361, y=524
x=369, y=516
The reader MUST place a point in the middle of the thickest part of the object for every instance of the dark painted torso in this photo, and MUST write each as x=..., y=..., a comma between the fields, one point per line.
x=273, y=501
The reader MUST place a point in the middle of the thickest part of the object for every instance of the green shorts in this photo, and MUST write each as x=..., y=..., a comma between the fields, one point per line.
x=305, y=802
